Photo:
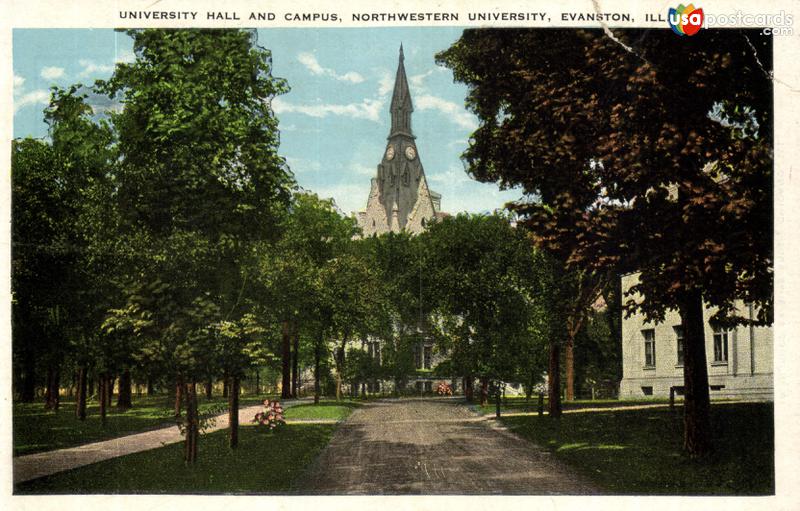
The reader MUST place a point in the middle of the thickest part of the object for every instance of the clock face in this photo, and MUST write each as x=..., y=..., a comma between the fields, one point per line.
x=411, y=153
x=390, y=152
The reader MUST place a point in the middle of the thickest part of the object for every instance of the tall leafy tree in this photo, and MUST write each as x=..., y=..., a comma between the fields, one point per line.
x=482, y=270
x=296, y=272
x=401, y=302
x=199, y=183
x=61, y=209
x=351, y=292
x=644, y=151
x=39, y=261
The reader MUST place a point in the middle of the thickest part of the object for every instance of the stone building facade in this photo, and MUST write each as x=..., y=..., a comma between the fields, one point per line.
x=740, y=360
x=399, y=197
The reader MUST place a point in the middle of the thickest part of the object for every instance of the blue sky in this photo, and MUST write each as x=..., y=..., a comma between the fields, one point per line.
x=333, y=122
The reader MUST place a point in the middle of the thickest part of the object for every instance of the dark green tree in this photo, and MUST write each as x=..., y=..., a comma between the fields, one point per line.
x=483, y=273
x=642, y=151
x=299, y=281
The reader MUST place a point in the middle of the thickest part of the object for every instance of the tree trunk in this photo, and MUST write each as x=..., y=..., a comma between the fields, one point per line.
x=569, y=368
x=295, y=361
x=286, y=361
x=179, y=388
x=80, y=401
x=109, y=390
x=484, y=391
x=192, y=424
x=28, y=384
x=340, y=361
x=468, y=388
x=233, y=413
x=554, y=381
x=124, y=401
x=102, y=386
x=150, y=389
x=317, y=357
x=225, y=386
x=51, y=396
x=209, y=389
x=696, y=415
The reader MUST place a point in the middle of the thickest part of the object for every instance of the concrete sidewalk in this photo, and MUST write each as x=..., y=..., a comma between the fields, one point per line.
x=42, y=464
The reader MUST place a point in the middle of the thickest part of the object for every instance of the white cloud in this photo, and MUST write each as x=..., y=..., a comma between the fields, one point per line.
x=477, y=198
x=385, y=83
x=369, y=109
x=450, y=177
x=362, y=170
x=349, y=197
x=91, y=68
x=18, y=83
x=23, y=99
x=303, y=166
x=456, y=113
x=36, y=97
x=311, y=63
x=417, y=80
x=99, y=109
x=52, y=73
x=125, y=56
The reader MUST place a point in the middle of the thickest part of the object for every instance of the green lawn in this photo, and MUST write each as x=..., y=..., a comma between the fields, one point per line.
x=265, y=462
x=640, y=451
x=37, y=430
x=334, y=410
x=518, y=404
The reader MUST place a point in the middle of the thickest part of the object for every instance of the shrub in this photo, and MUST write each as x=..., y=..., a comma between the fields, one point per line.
x=272, y=416
x=443, y=389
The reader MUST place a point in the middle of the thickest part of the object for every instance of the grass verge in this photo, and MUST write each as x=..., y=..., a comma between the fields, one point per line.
x=640, y=451
x=37, y=430
x=519, y=404
x=264, y=463
x=330, y=410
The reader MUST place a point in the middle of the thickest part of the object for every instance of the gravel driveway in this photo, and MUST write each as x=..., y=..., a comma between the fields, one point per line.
x=434, y=446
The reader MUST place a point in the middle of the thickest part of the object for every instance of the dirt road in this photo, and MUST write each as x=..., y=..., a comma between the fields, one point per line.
x=434, y=446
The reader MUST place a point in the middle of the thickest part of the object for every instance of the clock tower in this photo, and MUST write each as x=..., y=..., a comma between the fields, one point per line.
x=399, y=198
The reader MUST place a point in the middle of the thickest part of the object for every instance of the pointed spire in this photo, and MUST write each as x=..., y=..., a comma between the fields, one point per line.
x=401, y=106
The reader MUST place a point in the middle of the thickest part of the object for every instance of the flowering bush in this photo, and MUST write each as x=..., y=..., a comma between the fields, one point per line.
x=272, y=416
x=443, y=389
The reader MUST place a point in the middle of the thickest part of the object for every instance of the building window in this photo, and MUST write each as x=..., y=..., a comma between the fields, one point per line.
x=720, y=345
x=649, y=347
x=417, y=357
x=428, y=353
x=647, y=391
x=679, y=343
